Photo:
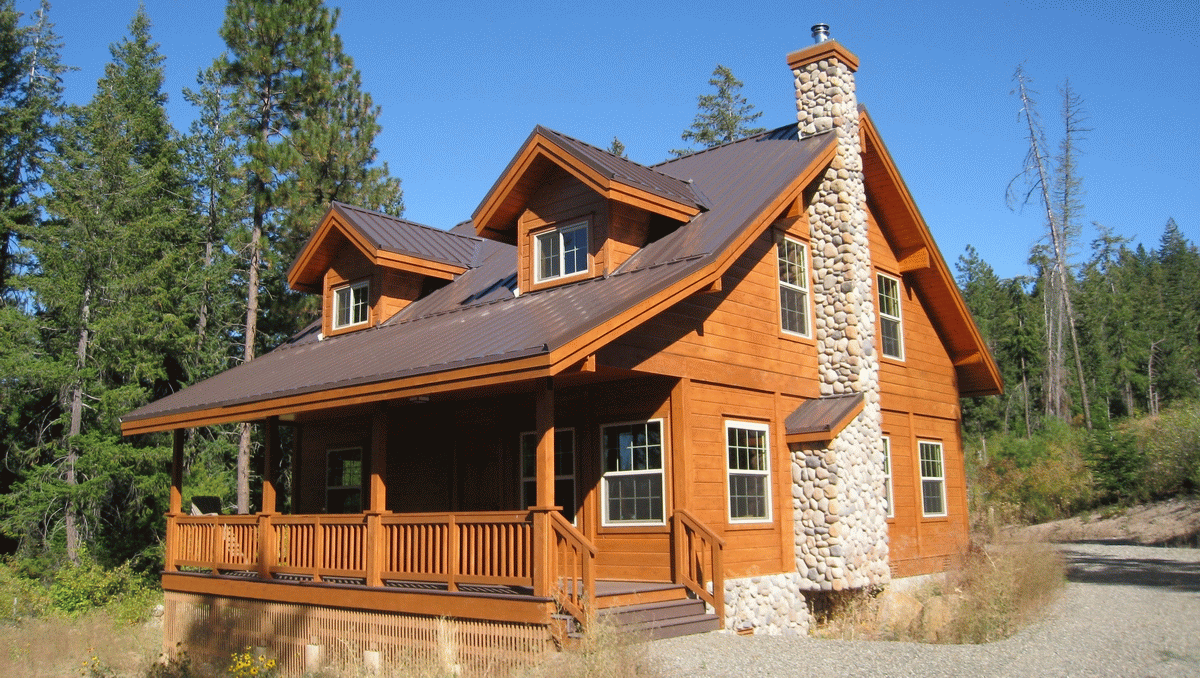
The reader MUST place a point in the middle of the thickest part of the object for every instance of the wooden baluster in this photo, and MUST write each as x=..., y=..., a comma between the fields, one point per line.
x=266, y=546
x=218, y=545
x=318, y=548
x=451, y=552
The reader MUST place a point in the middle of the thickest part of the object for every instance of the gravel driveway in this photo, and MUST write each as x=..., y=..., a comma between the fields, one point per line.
x=1126, y=611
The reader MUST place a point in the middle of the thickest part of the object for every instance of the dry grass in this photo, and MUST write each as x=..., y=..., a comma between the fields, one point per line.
x=604, y=651
x=999, y=590
x=53, y=647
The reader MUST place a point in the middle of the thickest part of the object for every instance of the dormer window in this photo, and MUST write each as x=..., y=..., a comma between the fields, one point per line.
x=351, y=304
x=562, y=252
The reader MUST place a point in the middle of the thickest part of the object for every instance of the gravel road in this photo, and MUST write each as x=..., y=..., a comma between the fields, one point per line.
x=1126, y=611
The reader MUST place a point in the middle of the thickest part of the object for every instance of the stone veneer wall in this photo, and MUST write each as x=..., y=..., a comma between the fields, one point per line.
x=772, y=604
x=838, y=498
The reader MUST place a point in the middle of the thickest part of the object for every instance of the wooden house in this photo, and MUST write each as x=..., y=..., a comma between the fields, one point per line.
x=685, y=395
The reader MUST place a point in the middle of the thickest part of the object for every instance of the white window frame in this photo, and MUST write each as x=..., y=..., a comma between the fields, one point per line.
x=558, y=235
x=885, y=317
x=357, y=486
x=803, y=291
x=527, y=501
x=887, y=474
x=660, y=472
x=339, y=303
x=765, y=474
x=938, y=481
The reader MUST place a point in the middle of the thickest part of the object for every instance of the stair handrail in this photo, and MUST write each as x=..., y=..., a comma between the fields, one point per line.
x=572, y=589
x=693, y=539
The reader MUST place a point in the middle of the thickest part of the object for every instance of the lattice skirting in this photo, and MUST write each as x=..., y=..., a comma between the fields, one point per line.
x=211, y=628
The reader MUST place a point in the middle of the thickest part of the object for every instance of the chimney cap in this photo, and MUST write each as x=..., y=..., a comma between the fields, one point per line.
x=820, y=33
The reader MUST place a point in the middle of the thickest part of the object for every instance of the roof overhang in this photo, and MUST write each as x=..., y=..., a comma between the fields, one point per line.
x=507, y=198
x=822, y=419
x=335, y=229
x=922, y=262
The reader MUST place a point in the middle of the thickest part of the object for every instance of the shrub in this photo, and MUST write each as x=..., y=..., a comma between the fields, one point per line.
x=87, y=586
x=1171, y=449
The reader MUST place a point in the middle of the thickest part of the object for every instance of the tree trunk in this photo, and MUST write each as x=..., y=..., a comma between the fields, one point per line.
x=73, y=519
x=243, y=461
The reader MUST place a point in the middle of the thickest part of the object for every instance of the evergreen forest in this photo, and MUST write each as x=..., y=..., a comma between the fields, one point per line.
x=136, y=259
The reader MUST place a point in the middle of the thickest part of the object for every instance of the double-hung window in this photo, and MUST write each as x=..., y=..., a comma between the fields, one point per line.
x=793, y=286
x=892, y=337
x=564, y=471
x=748, y=458
x=933, y=479
x=561, y=252
x=633, y=473
x=887, y=476
x=343, y=480
x=351, y=304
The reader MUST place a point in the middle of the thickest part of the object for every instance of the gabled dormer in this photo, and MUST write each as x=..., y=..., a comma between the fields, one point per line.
x=368, y=266
x=574, y=211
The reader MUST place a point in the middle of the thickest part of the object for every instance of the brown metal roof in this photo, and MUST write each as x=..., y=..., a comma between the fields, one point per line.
x=625, y=170
x=477, y=319
x=408, y=237
x=822, y=418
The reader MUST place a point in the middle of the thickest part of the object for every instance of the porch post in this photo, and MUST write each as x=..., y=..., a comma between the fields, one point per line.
x=377, y=496
x=545, y=489
x=175, y=503
x=267, y=552
x=270, y=456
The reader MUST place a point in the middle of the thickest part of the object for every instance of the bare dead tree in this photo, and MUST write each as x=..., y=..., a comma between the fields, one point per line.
x=1061, y=198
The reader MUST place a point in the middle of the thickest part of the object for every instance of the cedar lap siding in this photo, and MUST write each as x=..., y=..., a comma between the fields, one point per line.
x=472, y=370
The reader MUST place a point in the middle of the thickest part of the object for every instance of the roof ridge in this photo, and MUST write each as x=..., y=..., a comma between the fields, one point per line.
x=765, y=133
x=408, y=222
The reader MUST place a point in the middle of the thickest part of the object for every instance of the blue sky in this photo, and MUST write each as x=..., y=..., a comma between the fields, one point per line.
x=462, y=86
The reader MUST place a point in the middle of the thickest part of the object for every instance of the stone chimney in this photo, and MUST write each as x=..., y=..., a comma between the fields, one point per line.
x=839, y=509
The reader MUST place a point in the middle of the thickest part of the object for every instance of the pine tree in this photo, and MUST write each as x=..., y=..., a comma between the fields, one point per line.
x=724, y=116
x=107, y=291
x=30, y=101
x=617, y=148
x=309, y=138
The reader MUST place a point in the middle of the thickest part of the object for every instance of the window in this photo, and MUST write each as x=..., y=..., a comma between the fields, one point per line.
x=933, y=479
x=887, y=476
x=350, y=304
x=564, y=471
x=343, y=480
x=633, y=473
x=748, y=456
x=889, y=317
x=793, y=286
x=561, y=252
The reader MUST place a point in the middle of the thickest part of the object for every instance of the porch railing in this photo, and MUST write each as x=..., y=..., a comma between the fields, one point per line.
x=486, y=548
x=699, y=560
x=572, y=567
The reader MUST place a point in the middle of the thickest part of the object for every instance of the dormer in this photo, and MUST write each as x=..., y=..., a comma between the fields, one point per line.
x=367, y=266
x=575, y=212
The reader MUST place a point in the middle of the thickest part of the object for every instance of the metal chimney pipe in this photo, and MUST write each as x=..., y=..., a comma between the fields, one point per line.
x=820, y=33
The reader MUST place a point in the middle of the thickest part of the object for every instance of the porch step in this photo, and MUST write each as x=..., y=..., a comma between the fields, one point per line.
x=662, y=619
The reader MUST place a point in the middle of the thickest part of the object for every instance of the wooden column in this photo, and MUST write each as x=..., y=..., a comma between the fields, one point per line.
x=270, y=457
x=377, y=496
x=379, y=445
x=267, y=553
x=175, y=504
x=545, y=445
x=542, y=535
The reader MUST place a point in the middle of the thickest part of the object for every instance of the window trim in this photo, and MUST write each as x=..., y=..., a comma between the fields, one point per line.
x=887, y=474
x=806, y=291
x=765, y=473
x=898, y=318
x=573, y=477
x=939, y=479
x=662, y=473
x=360, y=486
x=559, y=232
x=350, y=288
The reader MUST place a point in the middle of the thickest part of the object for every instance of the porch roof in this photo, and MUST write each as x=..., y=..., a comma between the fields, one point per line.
x=476, y=331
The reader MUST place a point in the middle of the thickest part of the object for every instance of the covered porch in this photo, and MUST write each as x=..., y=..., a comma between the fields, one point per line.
x=542, y=565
